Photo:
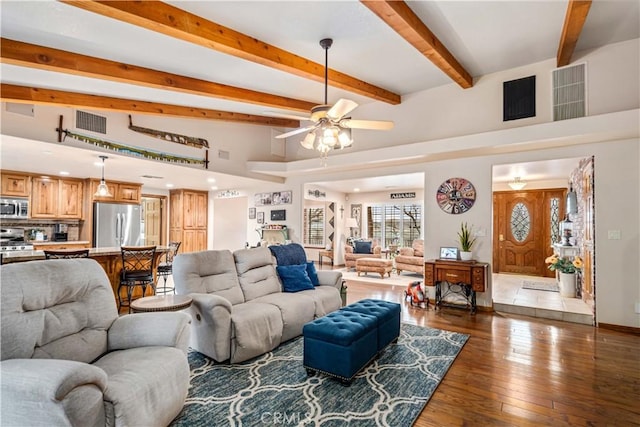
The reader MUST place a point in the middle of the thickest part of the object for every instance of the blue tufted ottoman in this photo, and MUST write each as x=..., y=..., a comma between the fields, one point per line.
x=387, y=315
x=340, y=344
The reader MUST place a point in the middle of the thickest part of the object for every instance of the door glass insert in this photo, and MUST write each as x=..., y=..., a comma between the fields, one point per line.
x=555, y=220
x=520, y=222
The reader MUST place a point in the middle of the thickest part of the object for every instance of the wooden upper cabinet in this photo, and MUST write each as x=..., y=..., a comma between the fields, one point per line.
x=121, y=192
x=202, y=201
x=70, y=198
x=15, y=184
x=44, y=198
x=129, y=193
x=56, y=198
x=188, y=222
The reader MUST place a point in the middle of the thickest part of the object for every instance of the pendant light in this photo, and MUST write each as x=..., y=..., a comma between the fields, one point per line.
x=103, y=190
x=517, y=184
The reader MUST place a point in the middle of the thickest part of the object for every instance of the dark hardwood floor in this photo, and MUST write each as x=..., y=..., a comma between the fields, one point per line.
x=520, y=371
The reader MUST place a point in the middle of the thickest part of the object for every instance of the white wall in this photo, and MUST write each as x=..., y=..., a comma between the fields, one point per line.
x=229, y=223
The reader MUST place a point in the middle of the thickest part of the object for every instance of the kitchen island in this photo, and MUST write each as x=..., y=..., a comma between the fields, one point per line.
x=109, y=258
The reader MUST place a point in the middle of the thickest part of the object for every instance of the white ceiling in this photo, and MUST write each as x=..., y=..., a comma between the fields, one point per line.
x=484, y=36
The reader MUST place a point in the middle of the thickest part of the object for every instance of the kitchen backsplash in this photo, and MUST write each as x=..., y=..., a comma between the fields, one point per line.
x=47, y=227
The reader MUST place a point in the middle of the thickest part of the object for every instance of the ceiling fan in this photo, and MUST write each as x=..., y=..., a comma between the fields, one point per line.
x=329, y=122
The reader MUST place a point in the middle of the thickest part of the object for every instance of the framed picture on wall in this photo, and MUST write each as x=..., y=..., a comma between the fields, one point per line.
x=260, y=217
x=252, y=213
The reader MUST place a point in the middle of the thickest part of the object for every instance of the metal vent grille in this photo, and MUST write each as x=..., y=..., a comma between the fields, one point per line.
x=569, y=92
x=91, y=122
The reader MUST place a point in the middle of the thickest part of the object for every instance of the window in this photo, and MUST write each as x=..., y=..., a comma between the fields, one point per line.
x=314, y=226
x=395, y=224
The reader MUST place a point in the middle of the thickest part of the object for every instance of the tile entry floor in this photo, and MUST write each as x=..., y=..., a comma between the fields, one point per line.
x=510, y=297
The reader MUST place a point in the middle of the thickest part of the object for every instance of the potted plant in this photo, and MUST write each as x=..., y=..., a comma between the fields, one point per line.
x=466, y=239
x=567, y=270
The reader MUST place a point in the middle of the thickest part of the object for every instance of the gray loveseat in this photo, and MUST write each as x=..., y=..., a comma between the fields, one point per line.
x=239, y=309
x=69, y=360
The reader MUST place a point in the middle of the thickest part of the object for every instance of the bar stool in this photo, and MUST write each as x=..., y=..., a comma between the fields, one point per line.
x=137, y=270
x=66, y=253
x=165, y=269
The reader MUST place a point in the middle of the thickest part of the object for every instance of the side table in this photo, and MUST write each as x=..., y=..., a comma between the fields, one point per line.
x=328, y=254
x=161, y=303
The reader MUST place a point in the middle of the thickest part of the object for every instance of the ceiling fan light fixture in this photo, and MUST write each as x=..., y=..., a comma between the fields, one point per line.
x=308, y=141
x=517, y=184
x=344, y=137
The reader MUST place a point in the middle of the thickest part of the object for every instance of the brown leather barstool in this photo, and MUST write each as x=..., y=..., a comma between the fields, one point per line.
x=66, y=253
x=165, y=269
x=137, y=270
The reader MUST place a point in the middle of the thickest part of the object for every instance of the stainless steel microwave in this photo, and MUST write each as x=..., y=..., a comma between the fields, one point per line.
x=14, y=208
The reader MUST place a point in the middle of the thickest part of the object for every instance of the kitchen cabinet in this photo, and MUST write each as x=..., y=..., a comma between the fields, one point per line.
x=15, y=184
x=44, y=197
x=56, y=198
x=188, y=210
x=70, y=199
x=121, y=192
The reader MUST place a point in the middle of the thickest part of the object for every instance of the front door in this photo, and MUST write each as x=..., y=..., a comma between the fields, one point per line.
x=526, y=223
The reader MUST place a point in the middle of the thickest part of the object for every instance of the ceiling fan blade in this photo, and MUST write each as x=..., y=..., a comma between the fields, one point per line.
x=295, y=132
x=287, y=116
x=341, y=108
x=366, y=124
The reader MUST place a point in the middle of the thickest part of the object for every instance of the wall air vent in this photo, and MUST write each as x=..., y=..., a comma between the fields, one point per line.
x=91, y=122
x=569, y=92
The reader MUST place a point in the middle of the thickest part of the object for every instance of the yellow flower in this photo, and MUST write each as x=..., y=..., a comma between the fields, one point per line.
x=577, y=262
x=552, y=259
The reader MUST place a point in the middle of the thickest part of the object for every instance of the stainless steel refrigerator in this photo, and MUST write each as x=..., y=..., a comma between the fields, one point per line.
x=115, y=225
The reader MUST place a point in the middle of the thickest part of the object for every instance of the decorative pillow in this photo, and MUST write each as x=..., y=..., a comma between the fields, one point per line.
x=294, y=277
x=362, y=247
x=312, y=273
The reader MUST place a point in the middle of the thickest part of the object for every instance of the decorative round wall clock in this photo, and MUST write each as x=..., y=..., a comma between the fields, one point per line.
x=456, y=196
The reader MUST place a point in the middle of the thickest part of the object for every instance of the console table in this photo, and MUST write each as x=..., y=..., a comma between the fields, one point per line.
x=463, y=278
x=328, y=254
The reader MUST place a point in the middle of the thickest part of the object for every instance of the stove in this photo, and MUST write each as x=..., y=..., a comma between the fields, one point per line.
x=15, y=246
x=12, y=239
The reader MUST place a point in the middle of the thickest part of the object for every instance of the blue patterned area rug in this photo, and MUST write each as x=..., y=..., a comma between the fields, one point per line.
x=274, y=389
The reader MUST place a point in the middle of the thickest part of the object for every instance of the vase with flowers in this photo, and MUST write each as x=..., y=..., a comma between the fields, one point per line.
x=567, y=270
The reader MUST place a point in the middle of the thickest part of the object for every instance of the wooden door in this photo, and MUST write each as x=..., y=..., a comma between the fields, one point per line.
x=588, y=243
x=70, y=199
x=525, y=226
x=152, y=220
x=44, y=198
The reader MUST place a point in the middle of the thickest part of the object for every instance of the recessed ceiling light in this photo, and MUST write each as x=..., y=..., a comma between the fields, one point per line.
x=170, y=185
x=356, y=190
x=214, y=187
x=211, y=179
x=64, y=173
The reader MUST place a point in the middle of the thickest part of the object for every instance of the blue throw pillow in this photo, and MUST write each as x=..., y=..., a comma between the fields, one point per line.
x=294, y=277
x=362, y=247
x=312, y=273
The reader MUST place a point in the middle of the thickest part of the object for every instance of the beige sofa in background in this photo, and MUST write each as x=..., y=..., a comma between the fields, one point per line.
x=411, y=259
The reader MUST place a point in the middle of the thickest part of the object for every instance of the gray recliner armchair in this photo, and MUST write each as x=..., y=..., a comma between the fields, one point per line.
x=69, y=359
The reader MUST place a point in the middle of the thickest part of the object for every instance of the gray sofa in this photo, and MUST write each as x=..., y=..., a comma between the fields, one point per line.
x=239, y=309
x=68, y=359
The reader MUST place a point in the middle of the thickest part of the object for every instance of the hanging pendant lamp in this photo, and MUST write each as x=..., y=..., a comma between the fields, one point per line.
x=103, y=189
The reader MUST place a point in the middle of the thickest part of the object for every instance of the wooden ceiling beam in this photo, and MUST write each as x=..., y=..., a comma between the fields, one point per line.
x=180, y=24
x=407, y=24
x=45, y=58
x=574, y=20
x=35, y=95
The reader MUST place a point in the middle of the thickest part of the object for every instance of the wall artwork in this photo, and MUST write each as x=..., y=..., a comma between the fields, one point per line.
x=252, y=213
x=275, y=198
x=356, y=212
x=260, y=217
